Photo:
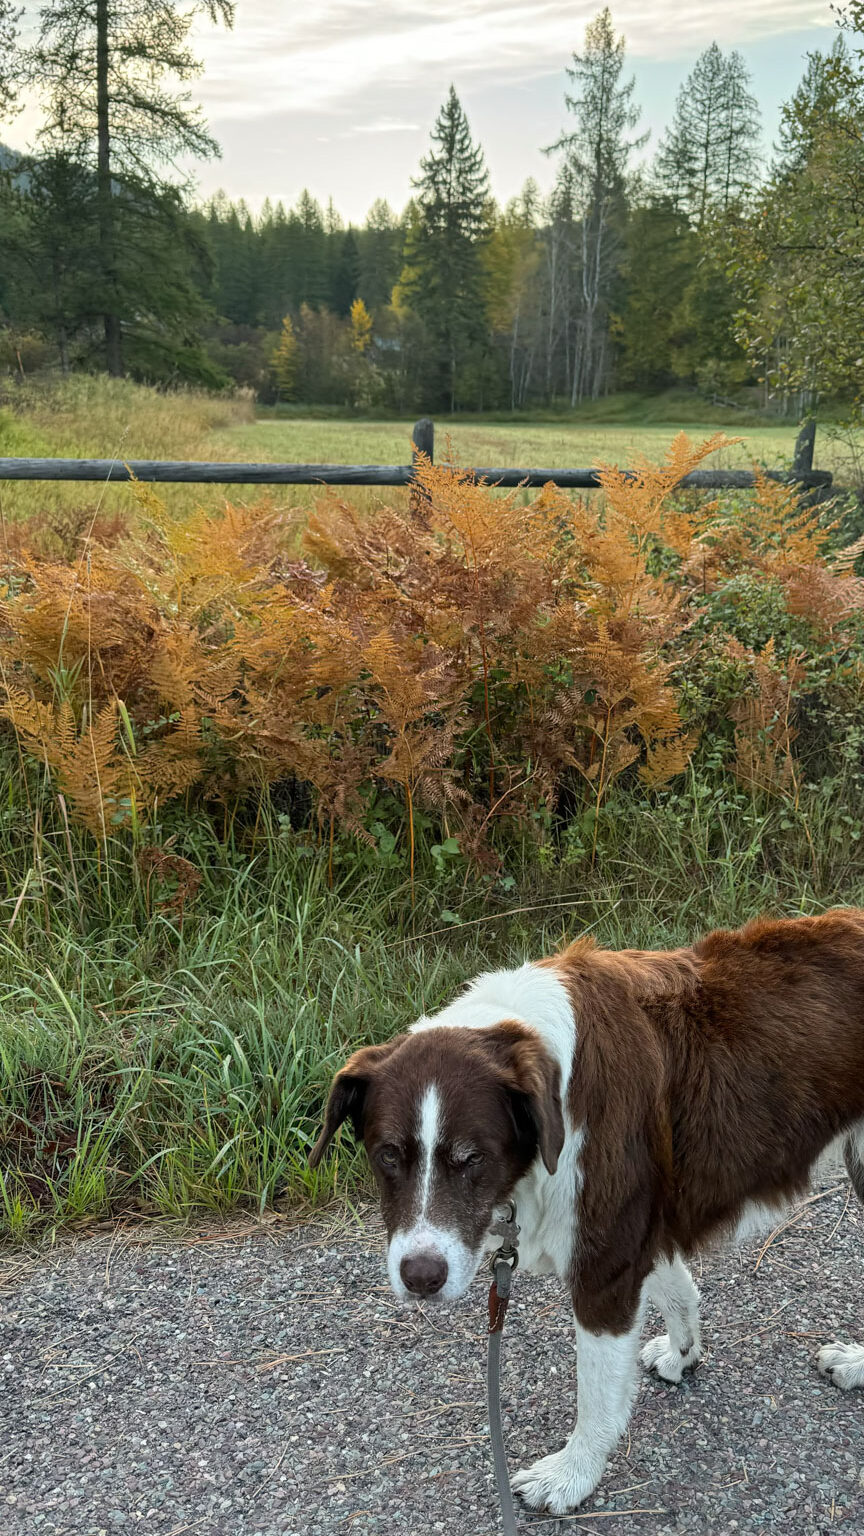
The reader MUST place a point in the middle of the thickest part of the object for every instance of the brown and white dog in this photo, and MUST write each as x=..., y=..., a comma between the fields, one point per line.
x=634, y=1105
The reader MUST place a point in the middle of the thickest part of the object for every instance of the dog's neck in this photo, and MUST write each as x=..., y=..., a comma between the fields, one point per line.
x=531, y=994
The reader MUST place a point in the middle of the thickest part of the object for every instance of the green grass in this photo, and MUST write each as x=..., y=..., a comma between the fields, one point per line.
x=155, y=1068
x=526, y=444
x=97, y=417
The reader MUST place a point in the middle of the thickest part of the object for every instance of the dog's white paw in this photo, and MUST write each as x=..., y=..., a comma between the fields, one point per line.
x=843, y=1364
x=666, y=1360
x=561, y=1481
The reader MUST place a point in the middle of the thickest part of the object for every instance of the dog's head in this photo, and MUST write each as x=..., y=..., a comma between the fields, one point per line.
x=451, y=1120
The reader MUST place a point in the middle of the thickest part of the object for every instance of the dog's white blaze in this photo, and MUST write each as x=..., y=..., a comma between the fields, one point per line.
x=427, y=1136
x=423, y=1236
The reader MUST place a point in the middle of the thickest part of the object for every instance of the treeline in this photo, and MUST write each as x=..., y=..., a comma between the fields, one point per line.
x=701, y=265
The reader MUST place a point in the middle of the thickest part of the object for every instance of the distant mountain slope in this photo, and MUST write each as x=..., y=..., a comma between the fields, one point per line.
x=9, y=161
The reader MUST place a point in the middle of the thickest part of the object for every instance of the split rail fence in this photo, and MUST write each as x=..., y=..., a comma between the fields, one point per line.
x=166, y=471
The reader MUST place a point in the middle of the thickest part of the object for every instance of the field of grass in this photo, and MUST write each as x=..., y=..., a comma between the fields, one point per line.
x=542, y=444
x=103, y=418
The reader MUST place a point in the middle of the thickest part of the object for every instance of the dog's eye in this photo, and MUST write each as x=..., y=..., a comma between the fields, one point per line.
x=387, y=1158
x=462, y=1161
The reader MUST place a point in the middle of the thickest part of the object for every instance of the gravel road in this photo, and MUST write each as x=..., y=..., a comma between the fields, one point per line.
x=262, y=1379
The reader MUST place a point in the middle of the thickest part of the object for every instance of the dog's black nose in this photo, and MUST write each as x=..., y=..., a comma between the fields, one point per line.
x=423, y=1273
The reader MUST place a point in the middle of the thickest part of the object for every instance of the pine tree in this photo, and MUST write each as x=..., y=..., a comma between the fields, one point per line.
x=98, y=67
x=661, y=256
x=274, y=249
x=306, y=253
x=596, y=151
x=380, y=244
x=708, y=157
x=45, y=252
x=443, y=277
x=739, y=134
x=345, y=276
x=232, y=237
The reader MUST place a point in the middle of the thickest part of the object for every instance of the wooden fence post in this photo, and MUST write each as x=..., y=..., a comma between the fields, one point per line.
x=422, y=441
x=802, y=464
x=805, y=444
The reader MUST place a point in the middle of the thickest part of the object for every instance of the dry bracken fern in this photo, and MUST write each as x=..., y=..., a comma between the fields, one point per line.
x=470, y=654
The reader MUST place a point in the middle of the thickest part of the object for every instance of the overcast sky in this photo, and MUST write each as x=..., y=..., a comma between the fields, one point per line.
x=340, y=95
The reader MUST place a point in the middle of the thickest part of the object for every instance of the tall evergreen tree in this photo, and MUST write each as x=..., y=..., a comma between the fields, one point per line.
x=102, y=70
x=660, y=258
x=306, y=254
x=596, y=150
x=232, y=237
x=379, y=244
x=708, y=157
x=345, y=272
x=443, y=275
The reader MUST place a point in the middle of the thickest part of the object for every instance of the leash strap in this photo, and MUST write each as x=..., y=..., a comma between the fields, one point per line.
x=504, y=1262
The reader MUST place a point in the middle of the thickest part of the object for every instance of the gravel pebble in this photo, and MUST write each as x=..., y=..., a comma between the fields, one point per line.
x=264, y=1380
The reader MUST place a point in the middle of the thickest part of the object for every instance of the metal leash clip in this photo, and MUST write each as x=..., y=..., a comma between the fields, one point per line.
x=505, y=1228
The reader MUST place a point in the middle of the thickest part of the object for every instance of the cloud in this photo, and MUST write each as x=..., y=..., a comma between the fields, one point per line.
x=326, y=55
x=387, y=125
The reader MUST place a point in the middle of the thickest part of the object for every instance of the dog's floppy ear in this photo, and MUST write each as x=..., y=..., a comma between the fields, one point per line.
x=348, y=1094
x=533, y=1078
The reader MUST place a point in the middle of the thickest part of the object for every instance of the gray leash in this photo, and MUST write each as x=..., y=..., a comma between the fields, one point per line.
x=504, y=1262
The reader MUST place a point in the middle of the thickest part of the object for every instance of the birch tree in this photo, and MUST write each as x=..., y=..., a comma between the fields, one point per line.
x=596, y=150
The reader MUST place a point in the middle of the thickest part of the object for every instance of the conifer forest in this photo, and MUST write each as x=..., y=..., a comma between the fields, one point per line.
x=710, y=259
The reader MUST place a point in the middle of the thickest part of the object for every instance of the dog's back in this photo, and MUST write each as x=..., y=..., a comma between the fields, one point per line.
x=767, y=1058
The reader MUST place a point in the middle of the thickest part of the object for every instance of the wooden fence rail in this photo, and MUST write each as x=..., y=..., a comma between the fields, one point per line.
x=176, y=472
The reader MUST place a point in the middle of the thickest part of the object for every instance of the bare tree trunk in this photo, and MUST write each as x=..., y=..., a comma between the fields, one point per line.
x=514, y=338
x=552, y=261
x=105, y=199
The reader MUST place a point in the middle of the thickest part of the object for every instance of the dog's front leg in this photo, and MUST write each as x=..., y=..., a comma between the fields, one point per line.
x=606, y=1379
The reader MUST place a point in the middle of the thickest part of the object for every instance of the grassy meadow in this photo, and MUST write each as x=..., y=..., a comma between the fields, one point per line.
x=102, y=418
x=180, y=977
x=527, y=444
